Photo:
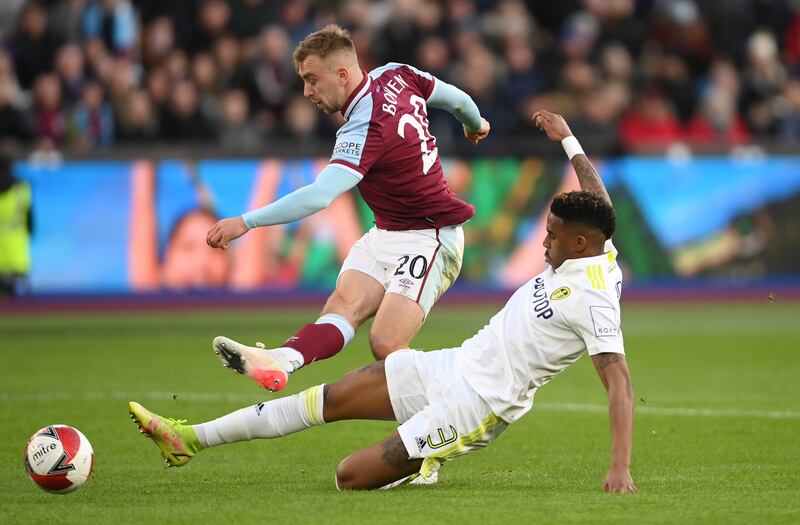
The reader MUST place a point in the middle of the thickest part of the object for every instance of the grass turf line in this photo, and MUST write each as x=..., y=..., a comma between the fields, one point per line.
x=546, y=468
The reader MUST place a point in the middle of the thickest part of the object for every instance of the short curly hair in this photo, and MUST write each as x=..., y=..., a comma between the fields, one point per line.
x=586, y=208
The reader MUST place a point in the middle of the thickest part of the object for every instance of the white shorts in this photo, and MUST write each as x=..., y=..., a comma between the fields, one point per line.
x=419, y=264
x=440, y=415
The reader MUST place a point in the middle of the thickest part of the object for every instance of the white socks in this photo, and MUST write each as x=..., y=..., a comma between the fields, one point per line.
x=265, y=420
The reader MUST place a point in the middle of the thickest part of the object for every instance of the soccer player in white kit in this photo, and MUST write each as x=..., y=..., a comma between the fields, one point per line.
x=452, y=401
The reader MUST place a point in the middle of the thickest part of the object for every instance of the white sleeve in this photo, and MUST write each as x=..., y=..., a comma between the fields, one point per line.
x=329, y=184
x=596, y=320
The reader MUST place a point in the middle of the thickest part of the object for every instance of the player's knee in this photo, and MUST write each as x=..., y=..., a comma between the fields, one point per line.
x=348, y=477
x=351, y=306
x=382, y=344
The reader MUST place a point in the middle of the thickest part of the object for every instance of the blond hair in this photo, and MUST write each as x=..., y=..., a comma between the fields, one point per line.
x=323, y=43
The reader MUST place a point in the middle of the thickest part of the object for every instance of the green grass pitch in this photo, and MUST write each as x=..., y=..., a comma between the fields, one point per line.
x=717, y=425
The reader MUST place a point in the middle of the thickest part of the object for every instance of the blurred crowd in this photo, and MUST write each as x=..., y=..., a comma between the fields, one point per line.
x=634, y=75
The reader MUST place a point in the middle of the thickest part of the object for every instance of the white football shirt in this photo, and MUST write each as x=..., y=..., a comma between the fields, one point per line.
x=546, y=326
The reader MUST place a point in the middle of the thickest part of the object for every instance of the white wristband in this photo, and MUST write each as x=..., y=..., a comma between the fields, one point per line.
x=572, y=147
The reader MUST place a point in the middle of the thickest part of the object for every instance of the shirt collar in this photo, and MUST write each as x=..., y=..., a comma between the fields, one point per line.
x=357, y=94
x=580, y=263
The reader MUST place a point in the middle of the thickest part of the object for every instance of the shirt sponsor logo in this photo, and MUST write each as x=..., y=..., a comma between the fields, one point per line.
x=604, y=320
x=347, y=149
x=540, y=303
x=561, y=293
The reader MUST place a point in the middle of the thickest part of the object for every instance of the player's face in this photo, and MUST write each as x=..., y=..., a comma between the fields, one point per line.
x=560, y=243
x=188, y=262
x=322, y=83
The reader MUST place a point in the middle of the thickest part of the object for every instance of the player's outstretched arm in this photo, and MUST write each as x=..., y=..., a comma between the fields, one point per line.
x=557, y=130
x=451, y=99
x=613, y=371
x=331, y=182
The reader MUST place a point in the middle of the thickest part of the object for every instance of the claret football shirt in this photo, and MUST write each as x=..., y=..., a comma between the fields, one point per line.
x=387, y=144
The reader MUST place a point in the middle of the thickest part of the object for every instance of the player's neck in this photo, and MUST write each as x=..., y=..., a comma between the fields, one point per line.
x=355, y=80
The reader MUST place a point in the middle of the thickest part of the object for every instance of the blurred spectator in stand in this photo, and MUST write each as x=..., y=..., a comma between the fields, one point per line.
x=479, y=74
x=137, y=123
x=651, y=125
x=791, y=40
x=229, y=54
x=508, y=21
x=597, y=118
x=511, y=55
x=523, y=79
x=790, y=122
x=619, y=23
x=9, y=13
x=13, y=126
x=301, y=119
x=297, y=19
x=249, y=16
x=183, y=119
x=214, y=17
x=433, y=56
x=16, y=225
x=158, y=90
x=98, y=62
x=32, y=46
x=579, y=36
x=235, y=131
x=272, y=76
x=763, y=79
x=92, y=122
x=617, y=64
x=206, y=78
x=726, y=27
x=578, y=77
x=717, y=121
x=158, y=41
x=115, y=22
x=671, y=74
x=70, y=70
x=397, y=39
x=679, y=29
x=124, y=78
x=48, y=118
x=177, y=66
x=66, y=19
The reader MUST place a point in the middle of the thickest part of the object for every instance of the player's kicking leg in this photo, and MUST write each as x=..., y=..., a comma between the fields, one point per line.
x=356, y=299
x=362, y=394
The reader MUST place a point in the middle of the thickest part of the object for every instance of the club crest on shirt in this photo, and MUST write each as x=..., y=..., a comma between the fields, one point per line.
x=560, y=293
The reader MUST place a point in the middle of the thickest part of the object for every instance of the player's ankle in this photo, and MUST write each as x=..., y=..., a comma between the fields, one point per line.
x=290, y=358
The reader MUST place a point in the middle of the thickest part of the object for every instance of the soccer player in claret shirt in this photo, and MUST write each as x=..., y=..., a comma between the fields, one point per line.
x=449, y=402
x=398, y=270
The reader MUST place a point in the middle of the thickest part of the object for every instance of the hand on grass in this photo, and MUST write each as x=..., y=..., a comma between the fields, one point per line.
x=619, y=480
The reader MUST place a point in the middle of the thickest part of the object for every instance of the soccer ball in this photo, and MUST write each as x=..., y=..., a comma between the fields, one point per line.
x=59, y=458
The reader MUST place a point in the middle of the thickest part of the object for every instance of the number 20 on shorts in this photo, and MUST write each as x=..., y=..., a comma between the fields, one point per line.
x=417, y=266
